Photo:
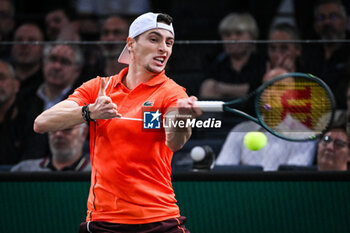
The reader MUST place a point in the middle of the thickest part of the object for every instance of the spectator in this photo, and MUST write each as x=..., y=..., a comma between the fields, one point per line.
x=27, y=58
x=100, y=59
x=87, y=27
x=238, y=68
x=276, y=152
x=59, y=26
x=7, y=24
x=333, y=150
x=17, y=139
x=328, y=60
x=114, y=29
x=102, y=8
x=90, y=13
x=61, y=68
x=66, y=148
x=284, y=55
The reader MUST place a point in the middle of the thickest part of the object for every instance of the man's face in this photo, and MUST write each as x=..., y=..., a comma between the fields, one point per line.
x=114, y=29
x=60, y=68
x=152, y=49
x=333, y=151
x=329, y=23
x=6, y=18
x=281, y=52
x=55, y=21
x=65, y=144
x=27, y=54
x=238, y=48
x=8, y=84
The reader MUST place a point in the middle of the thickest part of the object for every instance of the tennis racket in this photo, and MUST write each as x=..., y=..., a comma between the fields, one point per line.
x=293, y=106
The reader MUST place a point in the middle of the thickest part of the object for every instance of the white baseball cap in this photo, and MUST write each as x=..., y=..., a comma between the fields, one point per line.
x=140, y=25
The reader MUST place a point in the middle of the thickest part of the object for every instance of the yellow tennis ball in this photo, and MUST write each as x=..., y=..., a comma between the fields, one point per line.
x=255, y=140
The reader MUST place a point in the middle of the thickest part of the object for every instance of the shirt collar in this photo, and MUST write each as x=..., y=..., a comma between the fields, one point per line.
x=156, y=80
x=49, y=103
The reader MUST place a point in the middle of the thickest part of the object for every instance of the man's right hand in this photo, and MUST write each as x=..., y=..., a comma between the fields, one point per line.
x=103, y=108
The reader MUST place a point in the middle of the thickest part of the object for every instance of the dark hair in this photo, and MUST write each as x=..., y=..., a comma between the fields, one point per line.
x=291, y=30
x=165, y=18
x=339, y=123
x=287, y=28
x=337, y=2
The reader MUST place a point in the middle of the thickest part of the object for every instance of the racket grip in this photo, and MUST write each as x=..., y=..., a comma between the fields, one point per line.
x=211, y=106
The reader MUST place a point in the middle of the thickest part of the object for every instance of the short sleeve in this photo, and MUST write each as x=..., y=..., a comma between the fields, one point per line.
x=174, y=93
x=86, y=93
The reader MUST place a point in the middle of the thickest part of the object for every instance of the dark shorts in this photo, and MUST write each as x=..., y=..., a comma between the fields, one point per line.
x=173, y=225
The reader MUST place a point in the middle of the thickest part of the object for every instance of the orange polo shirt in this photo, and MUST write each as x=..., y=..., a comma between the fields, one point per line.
x=131, y=166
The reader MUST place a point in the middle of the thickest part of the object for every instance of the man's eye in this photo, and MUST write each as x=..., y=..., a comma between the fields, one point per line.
x=272, y=48
x=284, y=48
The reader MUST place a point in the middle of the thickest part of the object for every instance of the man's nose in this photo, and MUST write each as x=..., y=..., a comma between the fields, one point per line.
x=162, y=46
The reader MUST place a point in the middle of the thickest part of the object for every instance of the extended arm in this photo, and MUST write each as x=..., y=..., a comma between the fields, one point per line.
x=63, y=115
x=176, y=136
x=68, y=113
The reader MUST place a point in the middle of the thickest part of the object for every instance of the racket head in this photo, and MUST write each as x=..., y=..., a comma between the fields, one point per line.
x=295, y=106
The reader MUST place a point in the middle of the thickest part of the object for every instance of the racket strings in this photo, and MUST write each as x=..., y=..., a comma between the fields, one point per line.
x=296, y=104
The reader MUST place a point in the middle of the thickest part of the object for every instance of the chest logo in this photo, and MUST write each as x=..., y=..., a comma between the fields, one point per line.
x=148, y=103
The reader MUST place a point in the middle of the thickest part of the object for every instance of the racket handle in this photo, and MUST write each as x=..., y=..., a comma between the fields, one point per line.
x=211, y=106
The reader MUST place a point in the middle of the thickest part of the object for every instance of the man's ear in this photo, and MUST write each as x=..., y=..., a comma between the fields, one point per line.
x=130, y=43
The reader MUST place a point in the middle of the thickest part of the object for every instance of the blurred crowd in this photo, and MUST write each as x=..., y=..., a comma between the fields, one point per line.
x=47, y=51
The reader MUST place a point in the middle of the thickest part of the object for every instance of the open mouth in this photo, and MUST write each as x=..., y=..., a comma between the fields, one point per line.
x=160, y=60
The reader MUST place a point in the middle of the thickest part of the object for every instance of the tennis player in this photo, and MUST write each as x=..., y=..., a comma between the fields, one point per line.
x=131, y=188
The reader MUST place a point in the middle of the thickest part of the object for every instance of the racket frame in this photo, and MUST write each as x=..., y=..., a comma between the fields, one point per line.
x=257, y=93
